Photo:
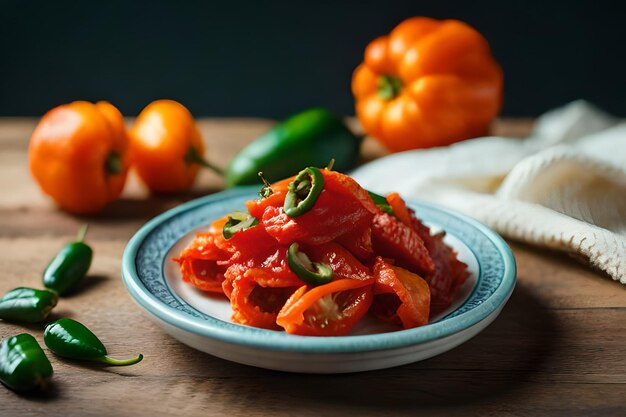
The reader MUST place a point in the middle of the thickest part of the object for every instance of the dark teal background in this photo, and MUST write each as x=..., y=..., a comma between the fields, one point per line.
x=275, y=58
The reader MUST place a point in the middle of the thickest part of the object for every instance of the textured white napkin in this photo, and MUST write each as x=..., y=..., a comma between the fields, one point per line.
x=564, y=187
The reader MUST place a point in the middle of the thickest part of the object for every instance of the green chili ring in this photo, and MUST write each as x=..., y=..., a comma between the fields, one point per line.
x=303, y=192
x=237, y=222
x=314, y=273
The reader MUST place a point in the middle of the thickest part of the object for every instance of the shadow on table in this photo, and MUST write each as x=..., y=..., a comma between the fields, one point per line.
x=501, y=359
x=148, y=207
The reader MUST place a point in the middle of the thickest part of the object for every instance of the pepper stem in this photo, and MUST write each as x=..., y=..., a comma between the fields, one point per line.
x=389, y=87
x=113, y=164
x=330, y=165
x=266, y=190
x=82, y=232
x=121, y=362
x=193, y=157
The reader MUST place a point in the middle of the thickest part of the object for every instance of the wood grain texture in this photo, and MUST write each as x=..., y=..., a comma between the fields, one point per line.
x=558, y=347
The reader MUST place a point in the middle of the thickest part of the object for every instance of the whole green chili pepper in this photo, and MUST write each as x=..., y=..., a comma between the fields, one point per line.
x=309, y=138
x=27, y=305
x=314, y=273
x=70, y=265
x=23, y=364
x=71, y=339
x=303, y=192
x=382, y=203
x=238, y=221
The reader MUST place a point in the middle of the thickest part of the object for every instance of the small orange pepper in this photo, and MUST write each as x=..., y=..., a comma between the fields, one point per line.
x=167, y=147
x=78, y=155
x=428, y=83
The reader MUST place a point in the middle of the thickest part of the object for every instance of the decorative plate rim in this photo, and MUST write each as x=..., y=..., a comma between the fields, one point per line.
x=280, y=341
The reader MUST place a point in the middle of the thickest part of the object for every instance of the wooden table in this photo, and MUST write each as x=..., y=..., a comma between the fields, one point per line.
x=558, y=348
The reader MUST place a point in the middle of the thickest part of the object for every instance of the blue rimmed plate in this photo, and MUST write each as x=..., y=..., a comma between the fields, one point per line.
x=203, y=321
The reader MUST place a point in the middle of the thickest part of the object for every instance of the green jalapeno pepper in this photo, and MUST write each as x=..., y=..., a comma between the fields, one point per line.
x=309, y=138
x=303, y=192
x=381, y=202
x=70, y=265
x=71, y=339
x=314, y=273
x=238, y=221
x=27, y=305
x=23, y=364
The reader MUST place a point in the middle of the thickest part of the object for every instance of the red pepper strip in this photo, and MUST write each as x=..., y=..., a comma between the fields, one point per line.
x=203, y=274
x=270, y=270
x=202, y=263
x=358, y=241
x=204, y=246
x=257, y=206
x=340, y=260
x=252, y=244
x=448, y=276
x=331, y=309
x=400, y=296
x=341, y=183
x=341, y=205
x=393, y=239
x=449, y=273
x=257, y=305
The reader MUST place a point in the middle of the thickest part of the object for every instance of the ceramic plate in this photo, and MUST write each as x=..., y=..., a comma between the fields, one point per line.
x=202, y=321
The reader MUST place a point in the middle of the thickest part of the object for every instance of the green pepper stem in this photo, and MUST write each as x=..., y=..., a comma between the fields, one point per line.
x=121, y=362
x=113, y=163
x=389, y=87
x=193, y=157
x=82, y=232
x=266, y=190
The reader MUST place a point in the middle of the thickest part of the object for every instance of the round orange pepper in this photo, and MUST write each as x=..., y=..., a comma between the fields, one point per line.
x=78, y=155
x=428, y=83
x=167, y=147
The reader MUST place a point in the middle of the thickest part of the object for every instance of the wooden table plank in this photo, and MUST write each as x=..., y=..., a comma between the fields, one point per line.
x=556, y=349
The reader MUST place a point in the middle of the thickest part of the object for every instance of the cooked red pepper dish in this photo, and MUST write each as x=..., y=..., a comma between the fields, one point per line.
x=316, y=252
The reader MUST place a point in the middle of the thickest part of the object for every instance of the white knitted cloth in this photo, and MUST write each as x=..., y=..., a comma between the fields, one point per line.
x=564, y=187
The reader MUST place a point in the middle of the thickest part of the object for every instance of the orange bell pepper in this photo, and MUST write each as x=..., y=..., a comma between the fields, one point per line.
x=78, y=155
x=167, y=147
x=428, y=83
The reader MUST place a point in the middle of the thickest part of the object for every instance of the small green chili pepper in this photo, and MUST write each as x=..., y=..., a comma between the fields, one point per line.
x=27, y=305
x=314, y=273
x=238, y=221
x=71, y=339
x=309, y=138
x=69, y=266
x=23, y=364
x=303, y=192
x=382, y=203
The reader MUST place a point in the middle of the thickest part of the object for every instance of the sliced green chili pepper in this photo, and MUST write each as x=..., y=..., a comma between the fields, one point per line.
x=309, y=138
x=27, y=305
x=69, y=266
x=303, y=192
x=314, y=273
x=238, y=221
x=382, y=203
x=71, y=339
x=23, y=364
